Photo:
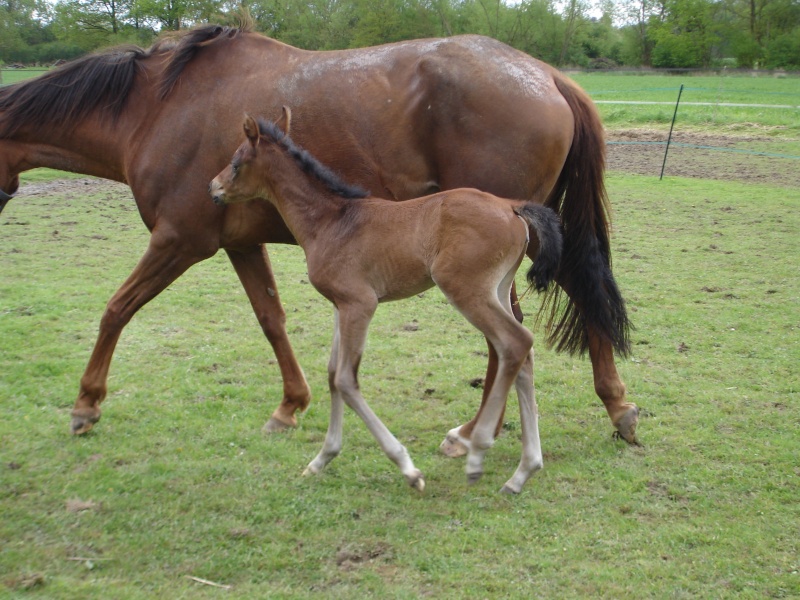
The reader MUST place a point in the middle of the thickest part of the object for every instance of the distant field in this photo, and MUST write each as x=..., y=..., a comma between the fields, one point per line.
x=14, y=75
x=718, y=90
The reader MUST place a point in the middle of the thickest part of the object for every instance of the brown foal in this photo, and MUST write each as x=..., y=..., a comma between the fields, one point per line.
x=363, y=250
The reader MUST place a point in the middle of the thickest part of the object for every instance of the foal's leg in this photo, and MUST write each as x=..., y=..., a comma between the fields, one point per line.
x=512, y=343
x=479, y=302
x=255, y=273
x=163, y=262
x=353, y=323
x=531, y=460
x=333, y=439
x=457, y=441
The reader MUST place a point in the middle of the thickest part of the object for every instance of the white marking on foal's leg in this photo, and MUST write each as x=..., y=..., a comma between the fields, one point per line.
x=531, y=460
x=396, y=452
x=333, y=439
x=482, y=440
x=454, y=444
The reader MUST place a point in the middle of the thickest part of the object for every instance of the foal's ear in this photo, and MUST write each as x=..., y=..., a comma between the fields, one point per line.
x=251, y=129
x=285, y=122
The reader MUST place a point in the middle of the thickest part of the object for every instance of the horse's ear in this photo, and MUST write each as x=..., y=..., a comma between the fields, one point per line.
x=251, y=129
x=285, y=122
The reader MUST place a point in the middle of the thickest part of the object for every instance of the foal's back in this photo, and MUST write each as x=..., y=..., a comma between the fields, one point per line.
x=398, y=249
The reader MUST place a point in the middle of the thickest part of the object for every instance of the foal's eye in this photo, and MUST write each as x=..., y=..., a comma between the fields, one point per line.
x=235, y=168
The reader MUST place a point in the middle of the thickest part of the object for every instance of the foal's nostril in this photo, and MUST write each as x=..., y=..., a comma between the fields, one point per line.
x=217, y=193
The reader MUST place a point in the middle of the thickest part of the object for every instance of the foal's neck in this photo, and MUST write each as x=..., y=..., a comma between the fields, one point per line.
x=307, y=207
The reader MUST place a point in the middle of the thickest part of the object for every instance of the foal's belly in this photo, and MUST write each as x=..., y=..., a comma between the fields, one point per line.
x=399, y=292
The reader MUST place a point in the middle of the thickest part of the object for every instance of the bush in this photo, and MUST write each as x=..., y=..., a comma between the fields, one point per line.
x=783, y=52
x=674, y=51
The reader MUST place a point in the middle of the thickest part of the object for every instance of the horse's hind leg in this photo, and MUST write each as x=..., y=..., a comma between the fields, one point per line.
x=162, y=263
x=531, y=460
x=609, y=387
x=513, y=344
x=457, y=441
x=255, y=273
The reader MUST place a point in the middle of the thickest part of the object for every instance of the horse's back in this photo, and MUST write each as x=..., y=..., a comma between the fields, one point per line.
x=422, y=115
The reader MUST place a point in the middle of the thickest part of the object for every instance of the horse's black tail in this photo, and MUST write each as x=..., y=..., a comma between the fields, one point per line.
x=544, y=223
x=593, y=300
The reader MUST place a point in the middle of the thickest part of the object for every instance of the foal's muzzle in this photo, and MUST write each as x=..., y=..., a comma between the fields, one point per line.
x=217, y=193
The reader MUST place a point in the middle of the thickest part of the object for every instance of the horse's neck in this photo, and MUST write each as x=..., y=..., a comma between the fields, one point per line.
x=85, y=150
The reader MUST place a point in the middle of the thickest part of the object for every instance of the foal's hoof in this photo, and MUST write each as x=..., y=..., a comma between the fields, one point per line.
x=473, y=477
x=626, y=425
x=454, y=445
x=275, y=425
x=418, y=483
x=507, y=489
x=83, y=421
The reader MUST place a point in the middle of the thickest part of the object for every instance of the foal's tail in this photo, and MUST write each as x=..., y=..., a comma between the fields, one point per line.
x=544, y=223
x=593, y=300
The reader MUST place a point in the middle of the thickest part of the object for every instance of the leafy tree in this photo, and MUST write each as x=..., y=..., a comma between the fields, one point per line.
x=640, y=17
x=22, y=25
x=784, y=51
x=687, y=35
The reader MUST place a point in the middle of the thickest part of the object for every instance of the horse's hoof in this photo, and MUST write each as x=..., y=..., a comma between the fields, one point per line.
x=626, y=426
x=507, y=489
x=454, y=446
x=82, y=423
x=418, y=484
x=309, y=471
x=473, y=477
x=276, y=426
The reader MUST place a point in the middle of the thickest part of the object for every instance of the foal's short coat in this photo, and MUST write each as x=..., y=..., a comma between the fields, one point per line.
x=363, y=250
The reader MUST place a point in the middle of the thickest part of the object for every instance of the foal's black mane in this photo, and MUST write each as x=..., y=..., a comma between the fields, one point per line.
x=97, y=82
x=309, y=164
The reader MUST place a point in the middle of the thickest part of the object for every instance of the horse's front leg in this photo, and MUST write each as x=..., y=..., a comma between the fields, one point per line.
x=333, y=439
x=353, y=323
x=255, y=272
x=163, y=262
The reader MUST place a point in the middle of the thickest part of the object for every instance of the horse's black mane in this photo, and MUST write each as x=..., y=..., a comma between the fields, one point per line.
x=308, y=163
x=97, y=82
x=186, y=49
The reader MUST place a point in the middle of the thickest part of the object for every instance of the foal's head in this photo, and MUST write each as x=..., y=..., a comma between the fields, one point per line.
x=245, y=177
x=268, y=155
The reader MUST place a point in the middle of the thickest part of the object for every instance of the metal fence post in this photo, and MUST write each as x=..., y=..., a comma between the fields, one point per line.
x=669, y=139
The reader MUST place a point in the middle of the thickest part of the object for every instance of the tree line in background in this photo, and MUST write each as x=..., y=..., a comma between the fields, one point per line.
x=606, y=33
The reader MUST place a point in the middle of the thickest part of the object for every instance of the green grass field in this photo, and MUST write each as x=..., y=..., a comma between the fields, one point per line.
x=715, y=89
x=177, y=481
x=8, y=76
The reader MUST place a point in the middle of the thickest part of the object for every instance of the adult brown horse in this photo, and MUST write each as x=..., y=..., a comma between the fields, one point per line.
x=421, y=116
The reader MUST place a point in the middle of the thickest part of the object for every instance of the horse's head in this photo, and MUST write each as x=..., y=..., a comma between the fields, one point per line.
x=243, y=179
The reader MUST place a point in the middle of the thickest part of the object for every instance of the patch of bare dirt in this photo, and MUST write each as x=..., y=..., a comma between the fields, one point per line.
x=67, y=186
x=636, y=151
